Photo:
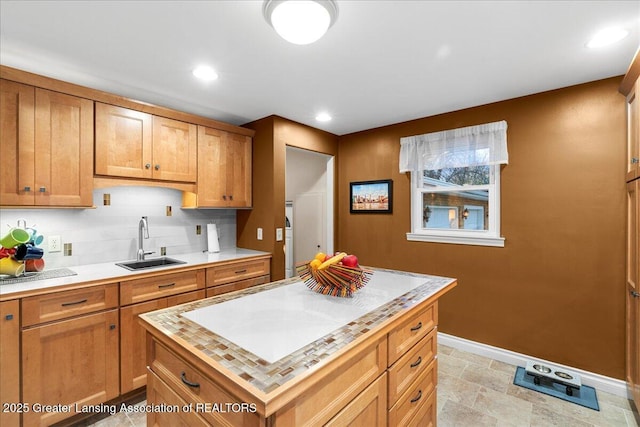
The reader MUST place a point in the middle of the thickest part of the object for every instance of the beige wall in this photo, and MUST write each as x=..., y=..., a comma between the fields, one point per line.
x=556, y=290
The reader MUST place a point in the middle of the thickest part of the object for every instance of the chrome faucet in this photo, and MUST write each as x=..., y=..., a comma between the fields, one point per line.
x=143, y=226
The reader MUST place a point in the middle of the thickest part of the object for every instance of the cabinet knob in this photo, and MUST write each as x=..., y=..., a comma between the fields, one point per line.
x=112, y=327
x=43, y=189
x=8, y=317
x=27, y=188
x=635, y=160
x=147, y=166
x=231, y=197
x=157, y=167
x=224, y=197
x=635, y=294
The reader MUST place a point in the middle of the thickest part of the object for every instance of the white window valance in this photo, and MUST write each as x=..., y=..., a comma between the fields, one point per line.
x=479, y=145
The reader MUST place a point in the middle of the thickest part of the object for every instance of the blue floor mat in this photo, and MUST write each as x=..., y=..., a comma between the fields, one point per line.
x=584, y=396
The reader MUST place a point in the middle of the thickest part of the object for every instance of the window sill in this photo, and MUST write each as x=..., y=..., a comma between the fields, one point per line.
x=458, y=240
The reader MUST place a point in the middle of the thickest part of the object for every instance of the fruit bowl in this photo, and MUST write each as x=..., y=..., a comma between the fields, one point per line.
x=331, y=276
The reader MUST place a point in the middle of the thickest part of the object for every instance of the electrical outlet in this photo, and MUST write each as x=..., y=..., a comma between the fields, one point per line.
x=259, y=233
x=278, y=234
x=55, y=244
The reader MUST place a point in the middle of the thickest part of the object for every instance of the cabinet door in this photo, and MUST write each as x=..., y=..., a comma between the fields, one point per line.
x=239, y=170
x=133, y=363
x=633, y=291
x=212, y=166
x=9, y=360
x=369, y=409
x=175, y=147
x=633, y=134
x=70, y=362
x=63, y=150
x=17, y=138
x=123, y=142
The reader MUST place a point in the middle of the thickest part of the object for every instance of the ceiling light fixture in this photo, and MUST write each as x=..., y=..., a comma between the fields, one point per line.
x=206, y=73
x=300, y=21
x=607, y=36
x=323, y=117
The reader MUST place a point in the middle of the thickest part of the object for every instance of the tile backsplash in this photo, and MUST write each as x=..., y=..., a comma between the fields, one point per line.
x=109, y=232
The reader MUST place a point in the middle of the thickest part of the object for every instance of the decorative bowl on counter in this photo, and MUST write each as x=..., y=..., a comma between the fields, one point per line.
x=338, y=275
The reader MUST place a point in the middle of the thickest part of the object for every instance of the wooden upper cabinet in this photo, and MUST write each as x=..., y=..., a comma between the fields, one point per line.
x=175, y=146
x=123, y=142
x=224, y=169
x=17, y=143
x=47, y=148
x=133, y=144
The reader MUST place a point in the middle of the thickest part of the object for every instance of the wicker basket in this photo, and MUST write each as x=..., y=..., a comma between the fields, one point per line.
x=336, y=280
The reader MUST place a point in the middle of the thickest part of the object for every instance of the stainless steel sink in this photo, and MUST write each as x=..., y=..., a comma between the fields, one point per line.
x=149, y=263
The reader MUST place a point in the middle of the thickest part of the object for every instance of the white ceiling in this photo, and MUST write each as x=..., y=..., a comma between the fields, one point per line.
x=382, y=62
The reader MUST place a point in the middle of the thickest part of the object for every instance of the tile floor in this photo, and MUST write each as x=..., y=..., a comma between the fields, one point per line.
x=475, y=391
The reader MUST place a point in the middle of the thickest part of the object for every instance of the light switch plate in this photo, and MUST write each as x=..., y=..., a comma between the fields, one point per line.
x=259, y=233
x=279, y=234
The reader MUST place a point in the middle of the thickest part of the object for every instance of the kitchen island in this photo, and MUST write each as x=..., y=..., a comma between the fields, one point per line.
x=281, y=355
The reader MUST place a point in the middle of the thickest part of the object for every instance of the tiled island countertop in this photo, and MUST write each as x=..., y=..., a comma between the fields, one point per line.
x=270, y=339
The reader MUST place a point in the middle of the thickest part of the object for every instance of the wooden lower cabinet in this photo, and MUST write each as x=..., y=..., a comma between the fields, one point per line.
x=10, y=362
x=159, y=393
x=369, y=409
x=133, y=363
x=68, y=363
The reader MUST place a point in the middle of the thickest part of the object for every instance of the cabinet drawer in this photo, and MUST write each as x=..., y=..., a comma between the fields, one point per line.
x=410, y=366
x=410, y=404
x=236, y=286
x=158, y=393
x=406, y=335
x=233, y=272
x=138, y=290
x=61, y=305
x=193, y=386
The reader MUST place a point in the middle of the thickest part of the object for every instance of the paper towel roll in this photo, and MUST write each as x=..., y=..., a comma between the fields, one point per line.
x=213, y=244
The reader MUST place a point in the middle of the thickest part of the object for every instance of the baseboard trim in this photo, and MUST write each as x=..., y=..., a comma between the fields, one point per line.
x=597, y=381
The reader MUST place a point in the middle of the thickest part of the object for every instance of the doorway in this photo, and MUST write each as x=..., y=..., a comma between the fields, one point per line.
x=309, y=207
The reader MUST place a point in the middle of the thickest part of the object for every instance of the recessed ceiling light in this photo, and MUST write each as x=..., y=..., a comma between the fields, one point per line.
x=300, y=21
x=607, y=36
x=206, y=73
x=323, y=117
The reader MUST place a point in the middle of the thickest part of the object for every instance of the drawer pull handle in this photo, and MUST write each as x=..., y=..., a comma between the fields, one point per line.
x=417, y=327
x=418, y=397
x=168, y=285
x=183, y=376
x=67, y=304
x=417, y=362
x=241, y=271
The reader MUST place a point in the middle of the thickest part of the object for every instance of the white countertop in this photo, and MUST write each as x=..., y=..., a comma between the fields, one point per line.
x=110, y=271
x=275, y=323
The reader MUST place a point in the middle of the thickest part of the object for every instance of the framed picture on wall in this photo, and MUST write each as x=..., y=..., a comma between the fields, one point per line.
x=371, y=196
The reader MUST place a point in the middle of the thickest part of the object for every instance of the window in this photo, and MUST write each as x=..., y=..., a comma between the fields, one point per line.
x=455, y=196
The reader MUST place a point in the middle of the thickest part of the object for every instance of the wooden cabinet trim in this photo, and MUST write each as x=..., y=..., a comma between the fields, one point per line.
x=36, y=80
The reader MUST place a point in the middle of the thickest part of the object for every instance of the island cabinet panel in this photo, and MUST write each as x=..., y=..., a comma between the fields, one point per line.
x=411, y=331
x=10, y=361
x=72, y=362
x=191, y=385
x=417, y=395
x=403, y=373
x=341, y=385
x=158, y=286
x=369, y=409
